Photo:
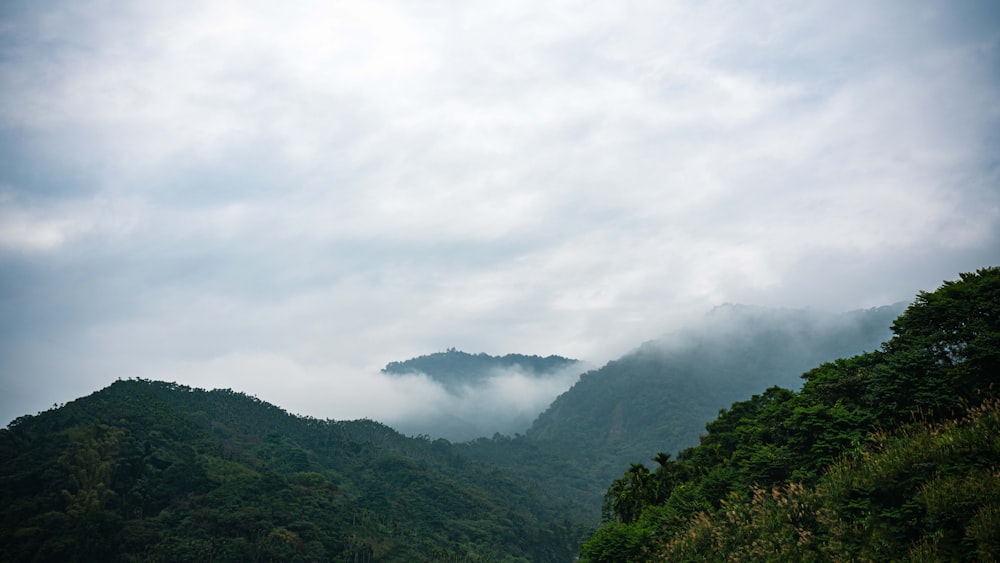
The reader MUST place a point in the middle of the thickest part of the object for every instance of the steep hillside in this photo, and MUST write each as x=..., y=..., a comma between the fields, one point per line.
x=665, y=391
x=145, y=470
x=886, y=455
x=659, y=397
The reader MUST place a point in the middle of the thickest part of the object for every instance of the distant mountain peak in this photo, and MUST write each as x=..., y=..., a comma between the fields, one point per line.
x=455, y=368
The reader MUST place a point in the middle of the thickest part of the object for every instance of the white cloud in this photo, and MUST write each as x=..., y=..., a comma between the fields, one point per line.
x=323, y=390
x=316, y=188
x=21, y=232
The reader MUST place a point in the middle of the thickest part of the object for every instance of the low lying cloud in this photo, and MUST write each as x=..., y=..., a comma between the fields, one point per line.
x=505, y=402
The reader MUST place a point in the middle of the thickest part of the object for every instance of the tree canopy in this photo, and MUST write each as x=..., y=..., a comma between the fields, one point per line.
x=147, y=471
x=887, y=453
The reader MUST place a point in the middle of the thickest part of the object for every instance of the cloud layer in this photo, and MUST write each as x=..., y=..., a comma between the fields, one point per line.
x=287, y=198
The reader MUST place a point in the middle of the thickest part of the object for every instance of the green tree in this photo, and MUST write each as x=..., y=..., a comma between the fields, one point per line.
x=89, y=461
x=945, y=352
x=887, y=454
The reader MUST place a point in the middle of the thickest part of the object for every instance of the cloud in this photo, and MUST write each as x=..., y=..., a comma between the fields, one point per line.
x=507, y=401
x=338, y=186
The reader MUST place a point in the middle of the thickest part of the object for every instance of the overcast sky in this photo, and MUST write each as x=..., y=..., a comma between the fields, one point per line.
x=282, y=197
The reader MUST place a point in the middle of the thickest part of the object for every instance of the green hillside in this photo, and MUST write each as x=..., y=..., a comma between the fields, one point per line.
x=147, y=471
x=884, y=453
x=659, y=397
x=888, y=455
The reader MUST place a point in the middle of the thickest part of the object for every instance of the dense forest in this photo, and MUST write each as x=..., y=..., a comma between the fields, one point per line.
x=659, y=397
x=888, y=455
x=152, y=471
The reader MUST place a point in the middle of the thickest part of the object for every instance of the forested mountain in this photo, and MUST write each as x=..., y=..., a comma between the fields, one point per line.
x=455, y=369
x=148, y=471
x=659, y=397
x=888, y=455
x=886, y=452
x=474, y=395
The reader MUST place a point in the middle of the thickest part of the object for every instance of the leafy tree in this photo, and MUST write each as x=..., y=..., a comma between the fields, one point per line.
x=88, y=462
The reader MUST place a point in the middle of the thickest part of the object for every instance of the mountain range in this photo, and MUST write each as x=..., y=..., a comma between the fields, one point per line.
x=659, y=397
x=147, y=470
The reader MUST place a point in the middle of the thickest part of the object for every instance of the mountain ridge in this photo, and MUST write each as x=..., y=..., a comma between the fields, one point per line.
x=455, y=368
x=155, y=468
x=660, y=396
x=545, y=485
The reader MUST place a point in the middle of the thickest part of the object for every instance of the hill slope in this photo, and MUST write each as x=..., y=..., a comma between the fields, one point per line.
x=659, y=397
x=889, y=454
x=148, y=470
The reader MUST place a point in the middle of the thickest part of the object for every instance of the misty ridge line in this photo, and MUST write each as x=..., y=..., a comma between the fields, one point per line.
x=483, y=395
x=178, y=210
x=462, y=396
x=165, y=455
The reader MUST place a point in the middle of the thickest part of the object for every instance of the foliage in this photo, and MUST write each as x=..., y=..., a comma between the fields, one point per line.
x=890, y=452
x=931, y=491
x=659, y=397
x=154, y=471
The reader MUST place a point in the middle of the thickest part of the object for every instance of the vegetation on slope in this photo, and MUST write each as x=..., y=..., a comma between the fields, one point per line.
x=888, y=454
x=659, y=397
x=149, y=471
x=884, y=454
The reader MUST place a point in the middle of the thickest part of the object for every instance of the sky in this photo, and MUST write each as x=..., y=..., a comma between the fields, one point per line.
x=282, y=197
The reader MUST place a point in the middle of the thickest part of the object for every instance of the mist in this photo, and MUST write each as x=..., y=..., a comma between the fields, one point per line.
x=282, y=200
x=507, y=402
x=750, y=348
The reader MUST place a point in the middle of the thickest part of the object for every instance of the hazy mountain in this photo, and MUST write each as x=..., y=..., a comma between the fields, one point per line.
x=738, y=351
x=147, y=468
x=659, y=397
x=456, y=369
x=475, y=395
x=886, y=455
